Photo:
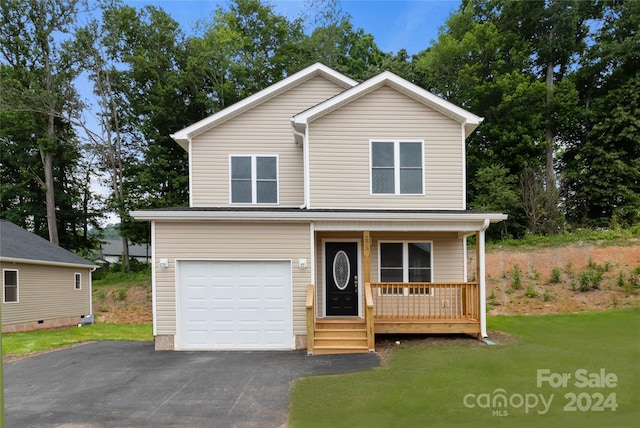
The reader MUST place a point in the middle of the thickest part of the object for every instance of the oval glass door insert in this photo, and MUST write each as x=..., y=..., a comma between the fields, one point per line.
x=341, y=270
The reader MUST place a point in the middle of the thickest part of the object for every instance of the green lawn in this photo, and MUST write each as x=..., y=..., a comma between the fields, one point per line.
x=455, y=385
x=34, y=341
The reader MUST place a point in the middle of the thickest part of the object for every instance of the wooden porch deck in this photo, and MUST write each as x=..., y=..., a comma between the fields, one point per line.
x=430, y=308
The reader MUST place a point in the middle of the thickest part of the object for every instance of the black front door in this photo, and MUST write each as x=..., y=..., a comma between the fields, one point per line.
x=341, y=273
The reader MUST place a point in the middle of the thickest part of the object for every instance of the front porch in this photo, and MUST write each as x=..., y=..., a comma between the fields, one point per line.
x=429, y=308
x=450, y=307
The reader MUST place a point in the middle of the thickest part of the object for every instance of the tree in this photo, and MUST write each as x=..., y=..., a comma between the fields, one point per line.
x=148, y=51
x=31, y=32
x=602, y=167
x=106, y=142
x=496, y=191
x=335, y=43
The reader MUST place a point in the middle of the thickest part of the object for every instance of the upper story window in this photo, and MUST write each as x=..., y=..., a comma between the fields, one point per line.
x=254, y=179
x=396, y=167
x=10, y=285
x=77, y=281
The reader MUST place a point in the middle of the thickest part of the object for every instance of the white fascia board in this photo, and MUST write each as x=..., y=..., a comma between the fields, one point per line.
x=459, y=114
x=47, y=263
x=317, y=69
x=306, y=216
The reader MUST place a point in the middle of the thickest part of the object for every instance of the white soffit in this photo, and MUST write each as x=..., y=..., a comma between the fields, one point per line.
x=307, y=216
x=182, y=137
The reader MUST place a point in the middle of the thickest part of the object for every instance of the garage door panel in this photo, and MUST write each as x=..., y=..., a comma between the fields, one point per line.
x=234, y=305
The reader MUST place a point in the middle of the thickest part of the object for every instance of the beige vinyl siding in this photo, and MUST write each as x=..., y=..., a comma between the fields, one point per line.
x=229, y=241
x=339, y=153
x=448, y=255
x=46, y=293
x=263, y=130
x=448, y=266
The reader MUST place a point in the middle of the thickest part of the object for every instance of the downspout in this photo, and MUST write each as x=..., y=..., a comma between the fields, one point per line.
x=93, y=269
x=305, y=162
x=481, y=279
x=190, y=156
x=154, y=288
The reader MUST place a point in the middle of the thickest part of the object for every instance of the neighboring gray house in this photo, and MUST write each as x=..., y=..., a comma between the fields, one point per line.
x=43, y=285
x=111, y=251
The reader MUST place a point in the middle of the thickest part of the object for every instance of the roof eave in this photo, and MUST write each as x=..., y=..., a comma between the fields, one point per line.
x=182, y=137
x=47, y=263
x=445, y=107
x=306, y=216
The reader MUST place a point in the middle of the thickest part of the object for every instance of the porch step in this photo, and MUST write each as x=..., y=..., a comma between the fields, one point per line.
x=340, y=336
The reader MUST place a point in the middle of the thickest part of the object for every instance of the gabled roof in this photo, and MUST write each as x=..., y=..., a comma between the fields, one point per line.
x=113, y=247
x=20, y=245
x=182, y=137
x=387, y=78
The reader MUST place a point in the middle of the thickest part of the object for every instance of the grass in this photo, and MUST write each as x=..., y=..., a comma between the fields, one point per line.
x=426, y=385
x=603, y=236
x=117, y=278
x=42, y=340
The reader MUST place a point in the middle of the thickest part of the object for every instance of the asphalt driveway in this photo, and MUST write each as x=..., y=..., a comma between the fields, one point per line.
x=128, y=384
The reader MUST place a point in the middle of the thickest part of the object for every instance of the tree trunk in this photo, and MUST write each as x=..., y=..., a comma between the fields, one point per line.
x=549, y=132
x=50, y=201
x=125, y=255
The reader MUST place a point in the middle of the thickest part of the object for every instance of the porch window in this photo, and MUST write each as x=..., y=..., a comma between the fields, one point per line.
x=254, y=179
x=396, y=167
x=10, y=285
x=405, y=262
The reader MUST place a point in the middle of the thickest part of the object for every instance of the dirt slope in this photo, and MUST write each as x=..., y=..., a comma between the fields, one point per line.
x=536, y=292
x=577, y=269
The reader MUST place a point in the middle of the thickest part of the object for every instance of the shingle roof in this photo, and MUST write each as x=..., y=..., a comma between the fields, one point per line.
x=18, y=243
x=113, y=247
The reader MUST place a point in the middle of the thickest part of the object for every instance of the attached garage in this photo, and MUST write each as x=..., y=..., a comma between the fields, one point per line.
x=234, y=305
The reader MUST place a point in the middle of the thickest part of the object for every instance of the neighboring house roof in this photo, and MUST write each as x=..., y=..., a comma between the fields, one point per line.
x=113, y=247
x=20, y=245
x=469, y=120
x=183, y=136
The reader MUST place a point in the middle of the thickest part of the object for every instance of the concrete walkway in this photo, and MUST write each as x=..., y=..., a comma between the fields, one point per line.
x=128, y=384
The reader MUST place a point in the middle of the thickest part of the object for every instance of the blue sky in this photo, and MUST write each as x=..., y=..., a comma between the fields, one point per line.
x=394, y=24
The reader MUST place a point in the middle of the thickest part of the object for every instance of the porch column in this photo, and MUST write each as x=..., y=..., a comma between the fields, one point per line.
x=366, y=257
x=481, y=280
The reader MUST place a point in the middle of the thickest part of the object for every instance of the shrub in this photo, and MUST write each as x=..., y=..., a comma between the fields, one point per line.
x=556, y=273
x=569, y=269
x=531, y=291
x=493, y=299
x=121, y=295
x=590, y=279
x=516, y=278
x=546, y=296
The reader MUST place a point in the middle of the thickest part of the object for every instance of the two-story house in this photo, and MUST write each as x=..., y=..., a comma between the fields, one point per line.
x=322, y=211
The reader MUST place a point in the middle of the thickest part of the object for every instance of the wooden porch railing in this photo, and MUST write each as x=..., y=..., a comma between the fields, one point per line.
x=425, y=301
x=311, y=318
x=368, y=316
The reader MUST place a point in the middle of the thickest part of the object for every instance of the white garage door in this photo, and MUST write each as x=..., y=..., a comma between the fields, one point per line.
x=234, y=305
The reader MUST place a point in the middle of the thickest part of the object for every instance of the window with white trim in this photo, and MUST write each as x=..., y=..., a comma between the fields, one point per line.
x=405, y=262
x=77, y=281
x=397, y=167
x=254, y=179
x=10, y=285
